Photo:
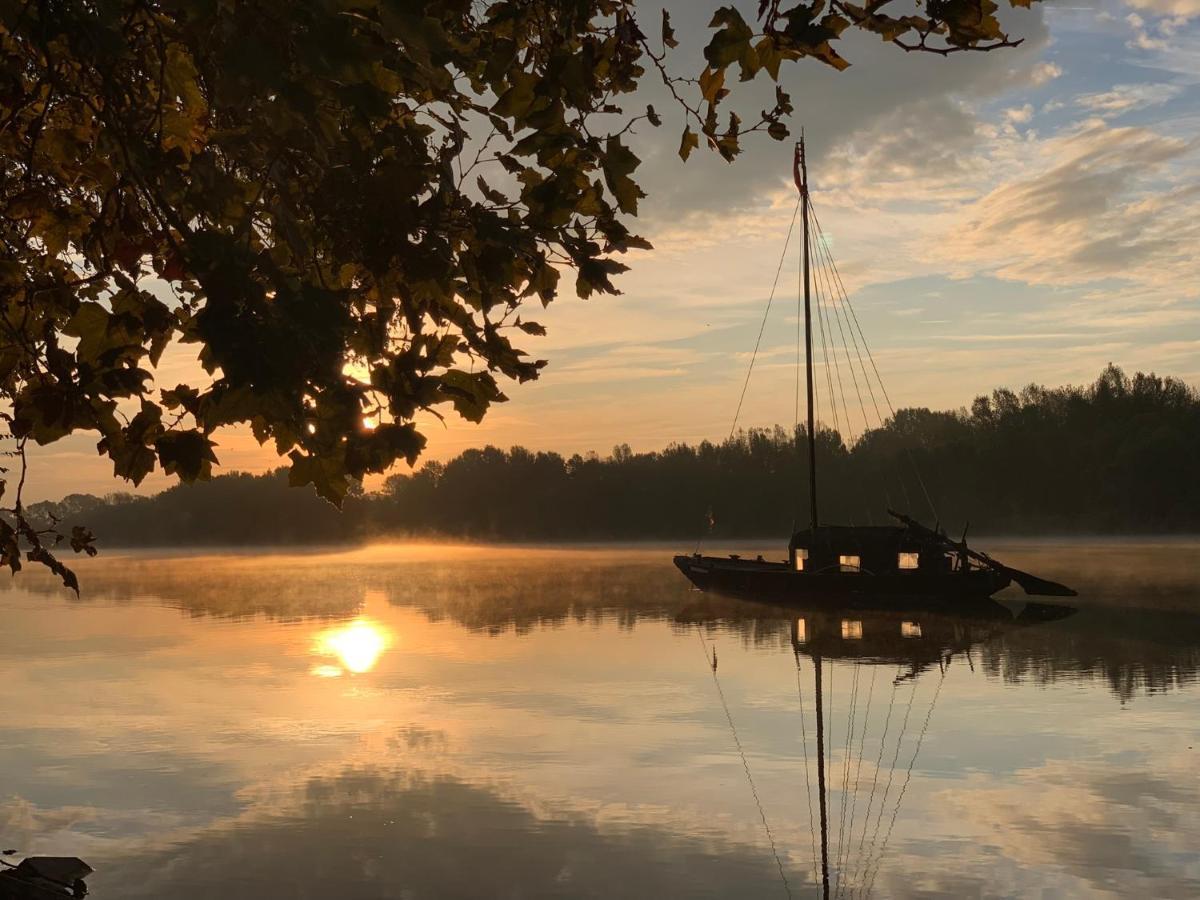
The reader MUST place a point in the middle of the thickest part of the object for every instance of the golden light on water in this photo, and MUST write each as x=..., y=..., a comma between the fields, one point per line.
x=357, y=647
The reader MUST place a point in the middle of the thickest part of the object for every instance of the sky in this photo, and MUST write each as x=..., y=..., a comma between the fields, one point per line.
x=1020, y=216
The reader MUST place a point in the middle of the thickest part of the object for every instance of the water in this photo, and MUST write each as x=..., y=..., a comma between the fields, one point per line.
x=481, y=722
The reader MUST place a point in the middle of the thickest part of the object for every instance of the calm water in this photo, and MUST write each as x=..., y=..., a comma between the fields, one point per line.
x=480, y=722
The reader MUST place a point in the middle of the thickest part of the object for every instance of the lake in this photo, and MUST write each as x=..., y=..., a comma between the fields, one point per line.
x=414, y=721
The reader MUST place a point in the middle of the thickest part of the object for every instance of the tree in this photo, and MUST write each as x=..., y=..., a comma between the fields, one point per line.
x=346, y=205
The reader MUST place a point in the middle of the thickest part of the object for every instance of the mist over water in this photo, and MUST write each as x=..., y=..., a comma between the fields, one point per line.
x=464, y=720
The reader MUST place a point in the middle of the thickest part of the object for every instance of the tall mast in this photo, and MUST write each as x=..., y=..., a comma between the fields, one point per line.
x=821, y=779
x=800, y=170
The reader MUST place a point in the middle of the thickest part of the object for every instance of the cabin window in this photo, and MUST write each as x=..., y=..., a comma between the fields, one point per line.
x=910, y=629
x=910, y=560
x=799, y=557
x=850, y=563
x=800, y=632
x=851, y=630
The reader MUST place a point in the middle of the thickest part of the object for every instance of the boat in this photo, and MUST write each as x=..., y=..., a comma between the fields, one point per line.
x=855, y=563
x=44, y=878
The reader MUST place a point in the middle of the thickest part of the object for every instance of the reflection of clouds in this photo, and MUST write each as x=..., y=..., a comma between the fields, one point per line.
x=367, y=834
x=1104, y=826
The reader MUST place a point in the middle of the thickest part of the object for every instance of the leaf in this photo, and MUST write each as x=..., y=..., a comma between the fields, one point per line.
x=668, y=33
x=653, y=116
x=731, y=41
x=327, y=474
x=82, y=540
x=516, y=102
x=492, y=195
x=44, y=557
x=778, y=131
x=532, y=328
x=711, y=83
x=689, y=142
x=188, y=454
x=471, y=393
x=619, y=162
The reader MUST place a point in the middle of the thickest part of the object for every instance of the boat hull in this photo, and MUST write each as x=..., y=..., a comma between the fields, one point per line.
x=778, y=583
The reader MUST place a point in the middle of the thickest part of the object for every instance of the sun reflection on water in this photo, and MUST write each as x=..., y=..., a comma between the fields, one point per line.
x=357, y=647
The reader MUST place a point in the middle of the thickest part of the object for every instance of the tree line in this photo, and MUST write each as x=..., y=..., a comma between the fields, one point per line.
x=1117, y=456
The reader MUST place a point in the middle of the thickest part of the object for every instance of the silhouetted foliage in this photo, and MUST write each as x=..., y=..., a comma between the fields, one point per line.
x=345, y=206
x=1117, y=456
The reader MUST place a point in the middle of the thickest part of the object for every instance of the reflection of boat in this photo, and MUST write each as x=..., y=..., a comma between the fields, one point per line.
x=914, y=640
x=44, y=878
x=837, y=561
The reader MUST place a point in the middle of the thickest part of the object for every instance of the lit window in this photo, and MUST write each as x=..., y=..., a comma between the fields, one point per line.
x=850, y=563
x=910, y=629
x=801, y=632
x=909, y=560
x=851, y=630
x=800, y=555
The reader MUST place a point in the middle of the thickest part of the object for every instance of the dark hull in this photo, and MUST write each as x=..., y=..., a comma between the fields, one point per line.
x=777, y=583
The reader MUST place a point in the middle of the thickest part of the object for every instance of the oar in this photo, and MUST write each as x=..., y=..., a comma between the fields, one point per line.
x=1031, y=584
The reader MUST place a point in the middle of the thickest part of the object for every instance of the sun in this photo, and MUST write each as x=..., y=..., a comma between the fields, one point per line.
x=357, y=645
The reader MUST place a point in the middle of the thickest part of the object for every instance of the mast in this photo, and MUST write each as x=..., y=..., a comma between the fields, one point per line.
x=821, y=778
x=800, y=171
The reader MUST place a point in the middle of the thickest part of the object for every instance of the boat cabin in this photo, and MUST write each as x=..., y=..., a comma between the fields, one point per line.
x=868, y=549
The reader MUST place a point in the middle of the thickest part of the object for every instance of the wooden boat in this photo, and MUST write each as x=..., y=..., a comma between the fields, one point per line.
x=44, y=878
x=853, y=563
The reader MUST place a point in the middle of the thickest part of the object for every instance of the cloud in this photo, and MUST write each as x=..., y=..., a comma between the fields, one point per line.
x=882, y=83
x=1089, y=205
x=1044, y=72
x=1125, y=97
x=1185, y=9
x=1019, y=115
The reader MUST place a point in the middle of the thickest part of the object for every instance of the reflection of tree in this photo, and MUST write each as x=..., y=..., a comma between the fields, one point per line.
x=1132, y=650
x=518, y=591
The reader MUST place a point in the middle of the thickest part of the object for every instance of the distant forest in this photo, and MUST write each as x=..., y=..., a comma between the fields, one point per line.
x=1119, y=456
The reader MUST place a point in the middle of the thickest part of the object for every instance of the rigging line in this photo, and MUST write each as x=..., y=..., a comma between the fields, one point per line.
x=825, y=353
x=878, y=765
x=812, y=824
x=823, y=313
x=846, y=300
x=891, y=775
x=832, y=265
x=825, y=262
x=907, y=777
x=846, y=772
x=882, y=386
x=711, y=660
x=858, y=771
x=838, y=315
x=849, y=438
x=766, y=312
